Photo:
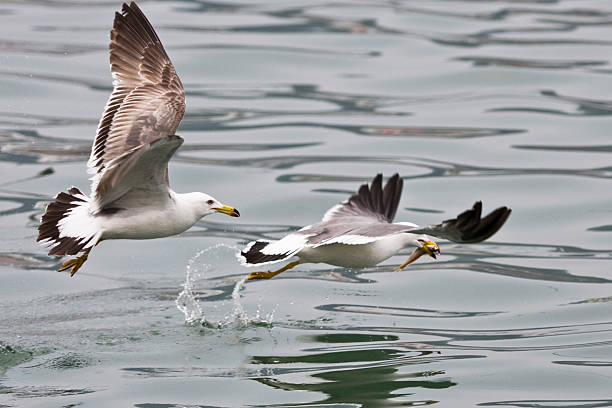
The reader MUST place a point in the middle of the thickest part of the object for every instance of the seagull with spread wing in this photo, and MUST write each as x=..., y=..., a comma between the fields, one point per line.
x=130, y=193
x=360, y=233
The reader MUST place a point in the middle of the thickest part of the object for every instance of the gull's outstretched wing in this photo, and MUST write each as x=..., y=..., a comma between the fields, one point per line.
x=373, y=203
x=146, y=105
x=468, y=227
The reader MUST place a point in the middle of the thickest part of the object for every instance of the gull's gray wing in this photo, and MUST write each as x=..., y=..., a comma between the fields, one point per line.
x=350, y=231
x=140, y=177
x=468, y=227
x=146, y=105
x=372, y=203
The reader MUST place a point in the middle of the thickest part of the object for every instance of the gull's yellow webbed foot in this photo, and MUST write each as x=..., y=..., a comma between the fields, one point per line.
x=74, y=263
x=261, y=275
x=268, y=275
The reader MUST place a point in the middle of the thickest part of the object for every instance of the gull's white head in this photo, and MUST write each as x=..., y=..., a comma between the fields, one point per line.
x=424, y=244
x=203, y=205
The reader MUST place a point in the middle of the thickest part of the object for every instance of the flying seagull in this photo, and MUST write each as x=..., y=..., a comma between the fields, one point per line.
x=130, y=193
x=360, y=232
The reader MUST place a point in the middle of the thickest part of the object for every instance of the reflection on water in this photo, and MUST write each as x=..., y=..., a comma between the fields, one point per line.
x=290, y=106
x=369, y=386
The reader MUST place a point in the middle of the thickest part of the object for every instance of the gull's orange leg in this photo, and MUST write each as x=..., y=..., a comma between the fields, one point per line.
x=268, y=275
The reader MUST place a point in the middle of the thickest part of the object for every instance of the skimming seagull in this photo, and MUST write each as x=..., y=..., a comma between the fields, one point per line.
x=130, y=194
x=359, y=233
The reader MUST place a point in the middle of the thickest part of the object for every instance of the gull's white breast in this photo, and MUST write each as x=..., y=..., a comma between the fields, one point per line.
x=357, y=256
x=164, y=218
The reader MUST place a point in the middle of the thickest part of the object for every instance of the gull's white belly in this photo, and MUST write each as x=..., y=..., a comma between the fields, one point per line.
x=354, y=256
x=144, y=224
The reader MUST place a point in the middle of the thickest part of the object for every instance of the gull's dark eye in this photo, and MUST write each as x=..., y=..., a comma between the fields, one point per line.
x=210, y=202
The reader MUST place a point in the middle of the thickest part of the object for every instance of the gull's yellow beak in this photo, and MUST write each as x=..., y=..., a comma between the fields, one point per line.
x=430, y=248
x=226, y=209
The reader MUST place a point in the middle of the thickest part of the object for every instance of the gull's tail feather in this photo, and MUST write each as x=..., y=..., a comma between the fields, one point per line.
x=254, y=254
x=66, y=226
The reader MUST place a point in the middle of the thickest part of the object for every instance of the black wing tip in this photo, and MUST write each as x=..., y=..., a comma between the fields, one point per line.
x=502, y=210
x=378, y=200
x=252, y=255
x=504, y=215
x=126, y=8
x=134, y=17
x=499, y=216
x=379, y=177
x=487, y=226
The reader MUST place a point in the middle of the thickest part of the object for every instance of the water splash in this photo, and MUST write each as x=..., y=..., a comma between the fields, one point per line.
x=187, y=301
x=239, y=314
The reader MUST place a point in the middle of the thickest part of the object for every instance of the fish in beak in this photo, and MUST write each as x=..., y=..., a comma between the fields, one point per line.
x=226, y=209
x=427, y=248
x=430, y=248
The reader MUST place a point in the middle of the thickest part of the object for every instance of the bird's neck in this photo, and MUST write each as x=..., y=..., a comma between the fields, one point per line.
x=189, y=205
x=408, y=239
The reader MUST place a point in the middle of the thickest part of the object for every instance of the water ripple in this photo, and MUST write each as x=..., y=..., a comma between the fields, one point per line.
x=27, y=261
x=190, y=124
x=576, y=149
x=480, y=339
x=582, y=106
x=45, y=48
x=24, y=203
x=345, y=101
x=399, y=311
x=581, y=363
x=485, y=38
x=601, y=228
x=41, y=392
x=567, y=403
x=435, y=168
x=28, y=121
x=505, y=13
x=531, y=63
